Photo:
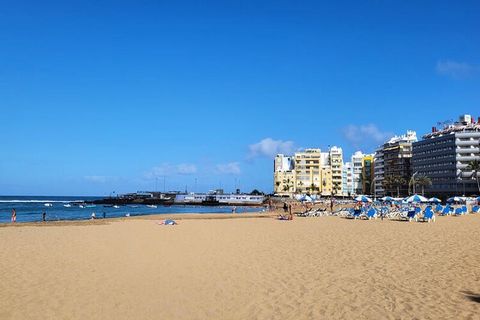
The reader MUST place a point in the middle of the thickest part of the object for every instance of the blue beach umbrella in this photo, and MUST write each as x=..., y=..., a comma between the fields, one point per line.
x=363, y=199
x=455, y=199
x=387, y=199
x=434, y=200
x=416, y=198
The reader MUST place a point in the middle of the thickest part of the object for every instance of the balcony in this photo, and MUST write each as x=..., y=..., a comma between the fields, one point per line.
x=466, y=143
x=467, y=150
x=471, y=134
x=467, y=157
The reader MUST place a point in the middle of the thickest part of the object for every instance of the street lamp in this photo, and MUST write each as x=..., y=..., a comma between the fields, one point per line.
x=412, y=180
x=372, y=187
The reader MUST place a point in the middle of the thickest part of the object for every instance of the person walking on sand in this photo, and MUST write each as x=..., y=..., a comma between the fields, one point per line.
x=14, y=215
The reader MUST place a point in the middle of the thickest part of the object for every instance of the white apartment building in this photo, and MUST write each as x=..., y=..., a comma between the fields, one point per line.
x=284, y=175
x=357, y=168
x=347, y=179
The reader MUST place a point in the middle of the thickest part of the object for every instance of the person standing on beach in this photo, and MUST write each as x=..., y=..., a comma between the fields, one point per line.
x=44, y=216
x=14, y=215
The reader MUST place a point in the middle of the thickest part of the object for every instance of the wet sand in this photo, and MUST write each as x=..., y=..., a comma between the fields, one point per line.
x=250, y=268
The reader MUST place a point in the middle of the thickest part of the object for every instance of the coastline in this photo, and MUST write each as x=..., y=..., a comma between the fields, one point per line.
x=152, y=216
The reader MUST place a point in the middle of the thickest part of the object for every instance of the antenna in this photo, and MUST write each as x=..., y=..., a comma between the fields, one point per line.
x=444, y=123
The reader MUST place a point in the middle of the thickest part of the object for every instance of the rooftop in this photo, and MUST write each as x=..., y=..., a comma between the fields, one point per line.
x=465, y=123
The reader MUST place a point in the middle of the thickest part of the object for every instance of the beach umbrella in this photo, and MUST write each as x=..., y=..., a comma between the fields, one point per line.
x=363, y=199
x=308, y=199
x=387, y=198
x=416, y=198
x=300, y=197
x=455, y=199
x=304, y=197
x=434, y=200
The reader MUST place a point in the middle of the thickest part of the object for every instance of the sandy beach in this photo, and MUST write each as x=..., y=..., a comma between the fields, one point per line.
x=251, y=268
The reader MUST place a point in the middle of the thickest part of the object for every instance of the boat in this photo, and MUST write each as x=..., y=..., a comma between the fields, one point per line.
x=48, y=205
x=210, y=200
x=68, y=205
x=116, y=207
x=81, y=206
x=151, y=206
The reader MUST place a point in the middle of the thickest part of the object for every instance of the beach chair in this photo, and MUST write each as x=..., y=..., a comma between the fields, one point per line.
x=428, y=214
x=357, y=213
x=438, y=209
x=464, y=209
x=458, y=211
x=413, y=214
x=475, y=209
x=372, y=214
x=446, y=211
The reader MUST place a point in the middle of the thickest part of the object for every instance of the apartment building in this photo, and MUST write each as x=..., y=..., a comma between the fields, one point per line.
x=444, y=156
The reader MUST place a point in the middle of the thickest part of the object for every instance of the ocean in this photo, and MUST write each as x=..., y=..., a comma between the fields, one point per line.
x=30, y=209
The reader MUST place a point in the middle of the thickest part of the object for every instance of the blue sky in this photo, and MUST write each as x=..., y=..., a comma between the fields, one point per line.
x=105, y=96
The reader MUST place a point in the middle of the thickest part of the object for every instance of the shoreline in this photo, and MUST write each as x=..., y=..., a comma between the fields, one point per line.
x=152, y=216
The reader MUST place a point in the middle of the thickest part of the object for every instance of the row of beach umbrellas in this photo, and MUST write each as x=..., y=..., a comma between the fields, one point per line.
x=412, y=199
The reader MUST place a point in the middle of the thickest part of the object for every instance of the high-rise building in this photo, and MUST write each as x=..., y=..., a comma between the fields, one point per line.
x=310, y=171
x=367, y=173
x=378, y=173
x=284, y=177
x=444, y=157
x=392, y=165
x=347, y=179
x=336, y=165
x=357, y=168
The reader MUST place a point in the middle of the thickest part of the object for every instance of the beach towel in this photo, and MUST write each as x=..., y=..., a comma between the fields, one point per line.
x=167, y=222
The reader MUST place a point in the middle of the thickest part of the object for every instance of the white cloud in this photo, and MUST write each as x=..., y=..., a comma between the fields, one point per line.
x=167, y=169
x=186, y=169
x=269, y=148
x=228, y=168
x=96, y=179
x=456, y=70
x=365, y=135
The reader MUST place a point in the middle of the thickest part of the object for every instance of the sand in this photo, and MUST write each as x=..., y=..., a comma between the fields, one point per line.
x=252, y=268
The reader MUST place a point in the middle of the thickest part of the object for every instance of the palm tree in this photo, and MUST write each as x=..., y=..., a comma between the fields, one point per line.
x=423, y=181
x=286, y=184
x=388, y=182
x=474, y=166
x=394, y=181
x=300, y=184
x=335, y=188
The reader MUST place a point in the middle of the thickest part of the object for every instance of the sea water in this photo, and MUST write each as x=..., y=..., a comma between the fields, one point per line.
x=30, y=208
